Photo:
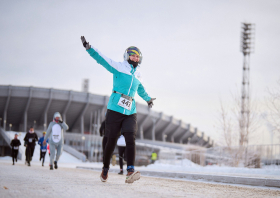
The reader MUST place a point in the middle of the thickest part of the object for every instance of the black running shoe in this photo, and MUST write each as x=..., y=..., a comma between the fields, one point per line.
x=51, y=167
x=55, y=164
x=121, y=172
x=29, y=164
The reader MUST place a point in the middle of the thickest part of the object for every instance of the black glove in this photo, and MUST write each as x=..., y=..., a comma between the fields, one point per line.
x=150, y=102
x=60, y=121
x=85, y=43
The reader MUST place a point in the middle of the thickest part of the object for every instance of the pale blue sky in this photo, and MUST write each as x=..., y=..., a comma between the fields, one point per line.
x=191, y=49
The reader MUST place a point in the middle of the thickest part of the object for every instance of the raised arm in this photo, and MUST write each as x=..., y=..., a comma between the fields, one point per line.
x=109, y=64
x=65, y=126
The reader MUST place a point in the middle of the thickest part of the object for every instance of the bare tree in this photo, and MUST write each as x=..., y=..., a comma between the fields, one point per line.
x=273, y=106
x=225, y=126
x=236, y=129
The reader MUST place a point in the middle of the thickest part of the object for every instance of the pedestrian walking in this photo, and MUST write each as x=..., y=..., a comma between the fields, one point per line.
x=121, y=113
x=43, y=147
x=55, y=132
x=15, y=143
x=30, y=140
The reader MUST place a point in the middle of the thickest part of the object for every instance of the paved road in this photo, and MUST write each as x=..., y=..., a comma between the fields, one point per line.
x=36, y=181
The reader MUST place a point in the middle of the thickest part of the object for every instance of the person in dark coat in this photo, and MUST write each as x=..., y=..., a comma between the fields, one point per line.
x=15, y=143
x=30, y=141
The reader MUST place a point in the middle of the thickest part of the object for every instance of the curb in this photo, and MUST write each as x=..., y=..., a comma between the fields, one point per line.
x=252, y=181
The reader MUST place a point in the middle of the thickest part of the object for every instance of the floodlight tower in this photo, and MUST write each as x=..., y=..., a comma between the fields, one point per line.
x=247, y=47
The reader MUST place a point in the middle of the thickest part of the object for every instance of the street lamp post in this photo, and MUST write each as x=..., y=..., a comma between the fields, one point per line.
x=247, y=47
x=10, y=125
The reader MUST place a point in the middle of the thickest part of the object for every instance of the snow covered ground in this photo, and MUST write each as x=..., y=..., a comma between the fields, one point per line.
x=187, y=166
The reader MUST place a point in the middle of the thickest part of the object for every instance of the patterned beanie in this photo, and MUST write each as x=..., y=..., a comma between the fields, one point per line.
x=133, y=50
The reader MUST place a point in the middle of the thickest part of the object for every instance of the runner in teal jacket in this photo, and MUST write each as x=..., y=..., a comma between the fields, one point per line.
x=121, y=114
x=127, y=80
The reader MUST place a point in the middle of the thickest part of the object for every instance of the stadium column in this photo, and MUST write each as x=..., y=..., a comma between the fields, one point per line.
x=26, y=110
x=47, y=109
x=90, y=123
x=142, y=124
x=195, y=136
x=6, y=108
x=163, y=133
x=83, y=113
x=67, y=106
x=154, y=129
x=104, y=108
x=201, y=139
x=187, y=134
x=207, y=143
x=176, y=131
x=212, y=145
x=155, y=123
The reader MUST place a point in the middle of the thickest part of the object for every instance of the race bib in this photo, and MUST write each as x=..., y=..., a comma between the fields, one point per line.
x=125, y=103
x=44, y=150
x=30, y=139
x=56, y=133
x=16, y=147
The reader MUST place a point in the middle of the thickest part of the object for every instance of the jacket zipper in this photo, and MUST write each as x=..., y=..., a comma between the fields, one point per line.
x=129, y=87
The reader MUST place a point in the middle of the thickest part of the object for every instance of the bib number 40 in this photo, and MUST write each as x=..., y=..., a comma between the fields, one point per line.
x=125, y=103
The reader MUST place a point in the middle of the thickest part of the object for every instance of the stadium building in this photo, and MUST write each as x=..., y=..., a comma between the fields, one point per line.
x=21, y=107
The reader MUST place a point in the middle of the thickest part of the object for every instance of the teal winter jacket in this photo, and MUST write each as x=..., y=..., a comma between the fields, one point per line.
x=127, y=80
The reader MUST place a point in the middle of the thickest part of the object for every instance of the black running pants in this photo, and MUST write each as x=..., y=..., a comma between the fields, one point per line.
x=130, y=149
x=121, y=155
x=29, y=152
x=14, y=155
x=43, y=154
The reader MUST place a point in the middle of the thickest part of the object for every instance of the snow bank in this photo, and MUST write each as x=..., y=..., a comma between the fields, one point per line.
x=188, y=166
